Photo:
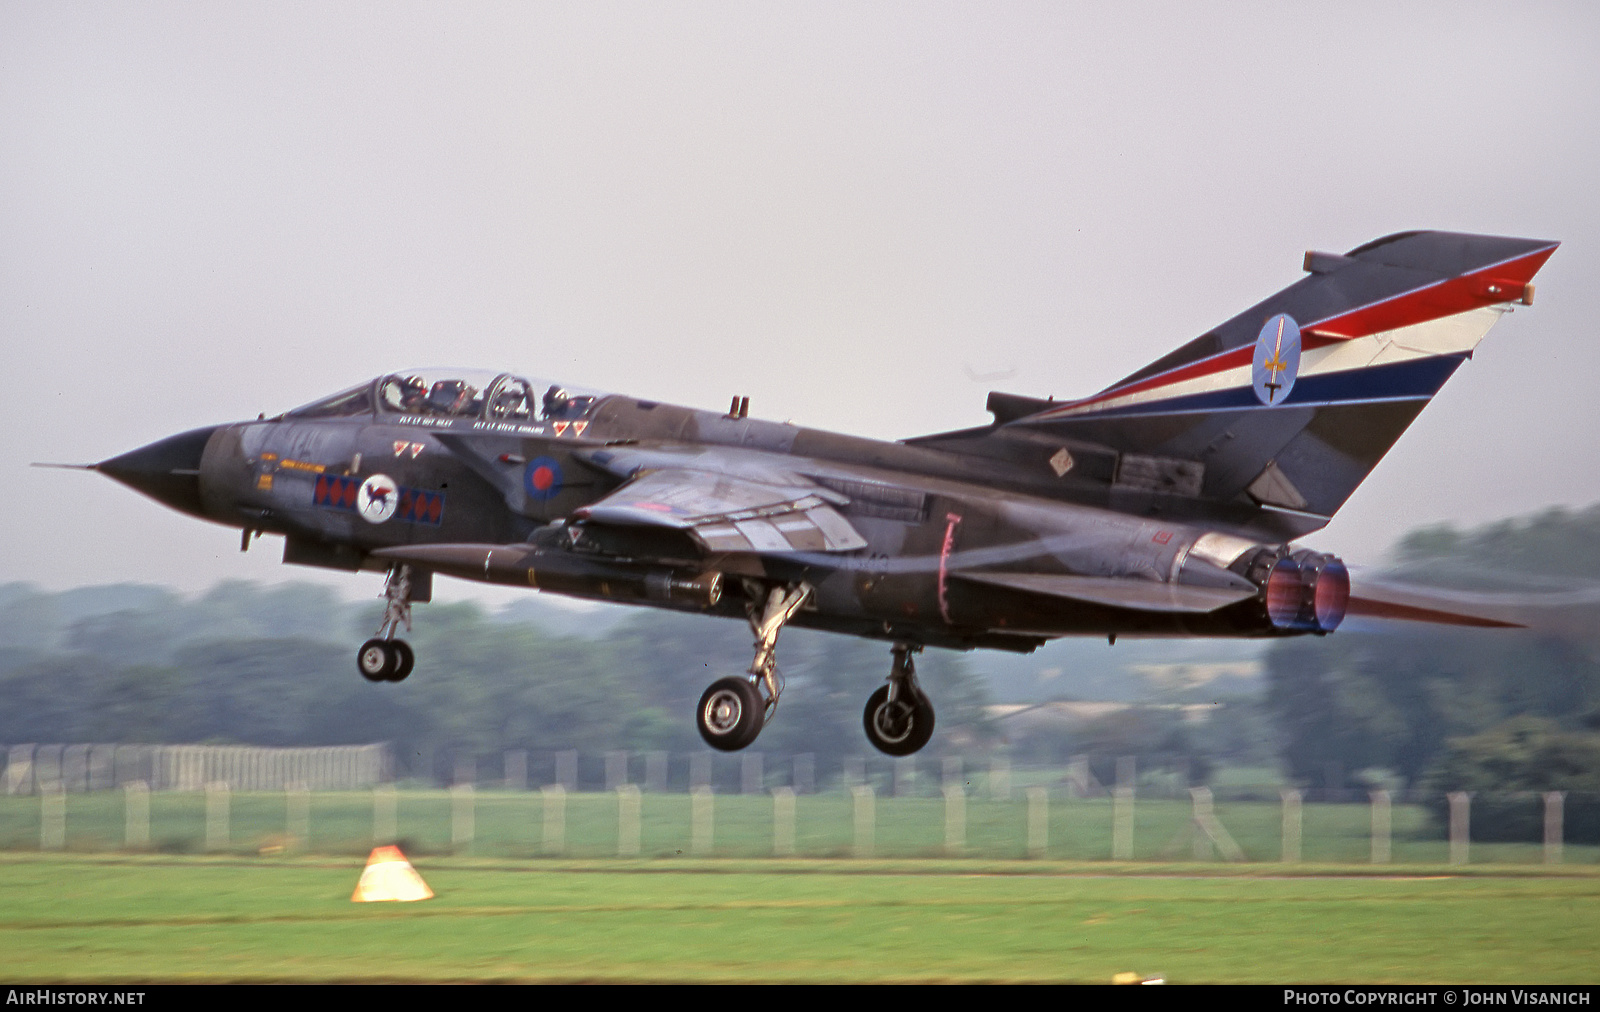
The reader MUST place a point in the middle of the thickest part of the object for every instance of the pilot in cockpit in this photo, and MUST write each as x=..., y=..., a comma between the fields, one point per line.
x=555, y=402
x=558, y=404
x=413, y=394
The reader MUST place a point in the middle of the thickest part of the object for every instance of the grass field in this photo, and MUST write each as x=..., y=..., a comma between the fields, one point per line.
x=511, y=824
x=155, y=918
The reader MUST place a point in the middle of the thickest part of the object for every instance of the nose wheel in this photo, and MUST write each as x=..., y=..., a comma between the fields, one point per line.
x=899, y=717
x=384, y=658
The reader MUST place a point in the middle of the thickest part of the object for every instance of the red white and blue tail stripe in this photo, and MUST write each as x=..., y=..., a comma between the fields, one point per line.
x=1290, y=404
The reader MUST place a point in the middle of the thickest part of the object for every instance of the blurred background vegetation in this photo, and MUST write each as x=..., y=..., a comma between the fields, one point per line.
x=1403, y=706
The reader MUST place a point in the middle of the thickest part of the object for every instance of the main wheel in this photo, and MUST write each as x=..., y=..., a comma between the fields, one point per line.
x=898, y=728
x=730, y=712
x=377, y=660
x=406, y=660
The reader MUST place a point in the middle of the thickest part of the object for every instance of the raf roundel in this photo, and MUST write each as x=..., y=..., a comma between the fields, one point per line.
x=1277, y=360
x=378, y=498
x=542, y=479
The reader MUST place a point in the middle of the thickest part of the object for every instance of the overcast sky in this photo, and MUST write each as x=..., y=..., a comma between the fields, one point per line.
x=845, y=211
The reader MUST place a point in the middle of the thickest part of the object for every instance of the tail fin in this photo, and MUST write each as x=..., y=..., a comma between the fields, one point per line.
x=1290, y=404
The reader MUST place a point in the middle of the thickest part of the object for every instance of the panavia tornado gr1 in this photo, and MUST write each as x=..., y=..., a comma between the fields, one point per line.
x=1166, y=504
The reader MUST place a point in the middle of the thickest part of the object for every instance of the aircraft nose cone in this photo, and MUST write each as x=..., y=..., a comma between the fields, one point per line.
x=167, y=470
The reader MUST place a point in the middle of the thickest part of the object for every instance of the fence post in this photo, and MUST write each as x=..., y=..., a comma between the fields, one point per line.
x=955, y=819
x=19, y=769
x=1381, y=831
x=1207, y=827
x=216, y=836
x=1200, y=817
x=628, y=830
x=1553, y=830
x=702, y=826
x=804, y=776
x=52, y=816
x=555, y=818
x=655, y=772
x=952, y=770
x=1122, y=824
x=297, y=802
x=385, y=817
x=1290, y=852
x=516, y=769
x=855, y=771
x=567, y=769
x=136, y=814
x=1038, y=821
x=1000, y=779
x=905, y=776
x=1078, y=777
x=782, y=822
x=1460, y=825
x=462, y=812
x=865, y=820
x=751, y=772
x=616, y=769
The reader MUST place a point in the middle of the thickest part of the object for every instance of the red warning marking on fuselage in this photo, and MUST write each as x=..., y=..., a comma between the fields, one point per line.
x=560, y=427
x=952, y=521
x=578, y=427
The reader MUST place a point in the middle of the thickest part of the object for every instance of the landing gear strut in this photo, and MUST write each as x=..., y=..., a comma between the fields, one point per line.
x=899, y=718
x=384, y=658
x=733, y=710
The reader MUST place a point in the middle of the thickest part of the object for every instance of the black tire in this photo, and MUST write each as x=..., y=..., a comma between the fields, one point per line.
x=376, y=660
x=899, y=728
x=405, y=660
x=730, y=713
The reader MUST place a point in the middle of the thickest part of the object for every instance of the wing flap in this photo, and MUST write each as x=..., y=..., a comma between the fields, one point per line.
x=723, y=513
x=1112, y=592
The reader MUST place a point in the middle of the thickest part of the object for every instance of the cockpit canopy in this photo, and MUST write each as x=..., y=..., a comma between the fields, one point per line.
x=456, y=393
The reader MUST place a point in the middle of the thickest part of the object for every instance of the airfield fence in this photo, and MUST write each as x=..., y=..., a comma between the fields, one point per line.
x=243, y=800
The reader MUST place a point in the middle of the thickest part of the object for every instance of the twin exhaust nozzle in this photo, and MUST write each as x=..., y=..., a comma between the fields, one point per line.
x=1304, y=591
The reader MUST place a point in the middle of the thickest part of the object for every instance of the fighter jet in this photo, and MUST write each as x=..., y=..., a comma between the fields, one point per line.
x=1166, y=504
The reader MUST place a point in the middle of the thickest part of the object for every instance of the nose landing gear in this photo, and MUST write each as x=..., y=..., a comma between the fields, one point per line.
x=384, y=658
x=899, y=717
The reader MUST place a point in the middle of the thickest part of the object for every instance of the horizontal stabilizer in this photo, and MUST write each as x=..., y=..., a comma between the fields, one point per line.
x=1110, y=592
x=1436, y=606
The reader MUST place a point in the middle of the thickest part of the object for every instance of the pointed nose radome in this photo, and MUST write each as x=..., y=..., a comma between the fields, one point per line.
x=167, y=470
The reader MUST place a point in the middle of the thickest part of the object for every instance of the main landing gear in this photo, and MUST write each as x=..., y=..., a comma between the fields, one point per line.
x=384, y=658
x=732, y=711
x=899, y=717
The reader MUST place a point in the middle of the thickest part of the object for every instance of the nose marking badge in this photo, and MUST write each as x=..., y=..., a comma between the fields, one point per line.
x=1277, y=360
x=378, y=499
